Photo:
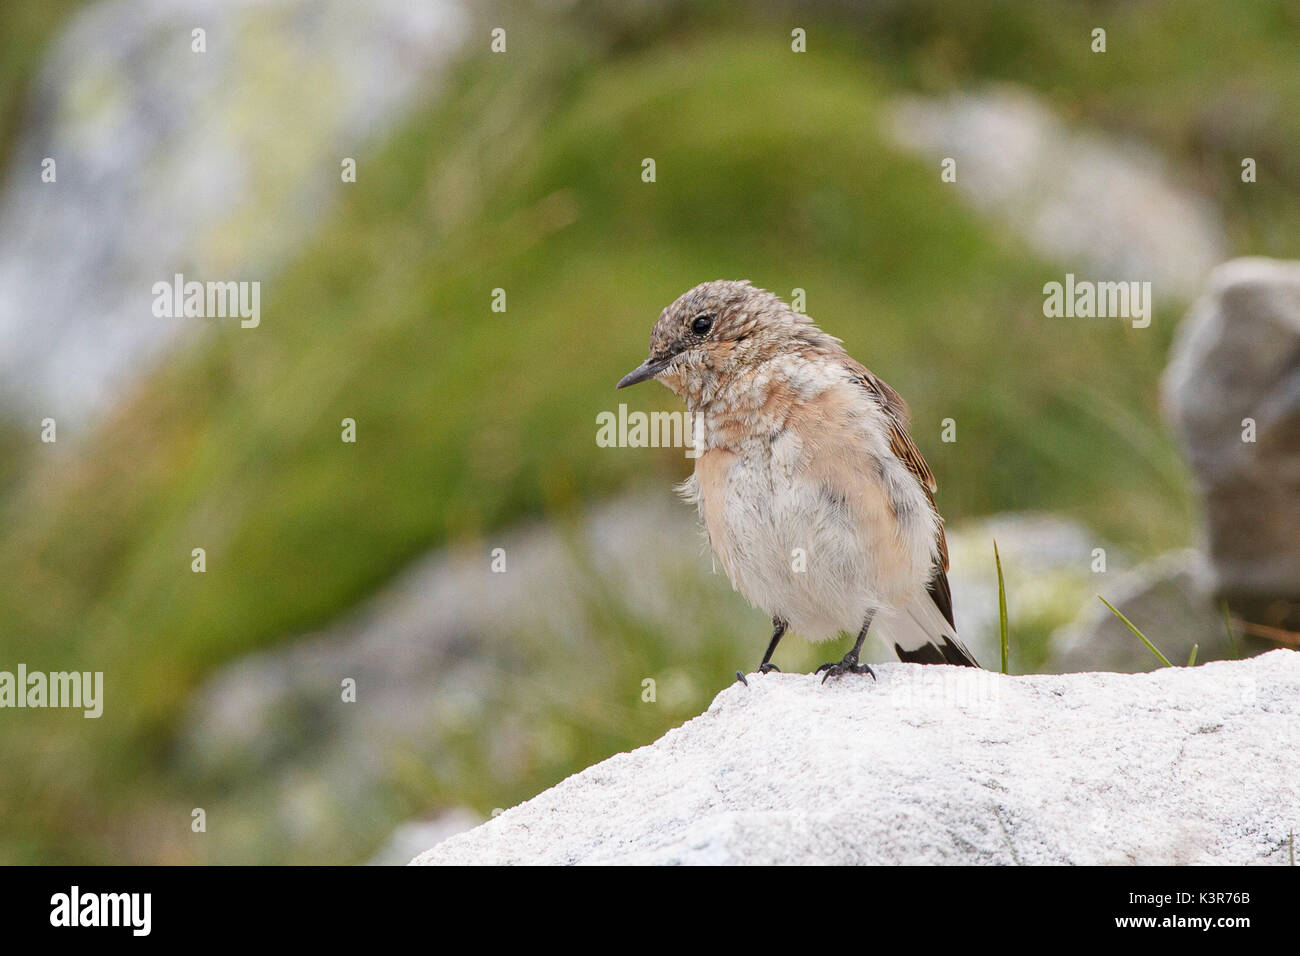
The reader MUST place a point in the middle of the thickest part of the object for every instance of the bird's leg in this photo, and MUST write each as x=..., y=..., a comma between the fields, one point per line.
x=850, y=665
x=778, y=630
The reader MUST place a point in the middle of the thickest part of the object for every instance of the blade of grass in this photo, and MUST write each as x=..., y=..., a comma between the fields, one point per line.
x=1191, y=658
x=1232, y=637
x=1129, y=624
x=1002, y=606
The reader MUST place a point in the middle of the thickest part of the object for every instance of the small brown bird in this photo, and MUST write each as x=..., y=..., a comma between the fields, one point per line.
x=816, y=501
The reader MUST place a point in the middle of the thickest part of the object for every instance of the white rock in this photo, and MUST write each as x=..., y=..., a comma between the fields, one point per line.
x=940, y=765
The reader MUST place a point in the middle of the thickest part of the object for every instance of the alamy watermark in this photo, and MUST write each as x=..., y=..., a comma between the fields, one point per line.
x=80, y=689
x=1086, y=299
x=208, y=300
x=133, y=911
x=624, y=429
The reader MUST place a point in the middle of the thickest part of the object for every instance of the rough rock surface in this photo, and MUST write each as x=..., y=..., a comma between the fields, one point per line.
x=1232, y=390
x=940, y=765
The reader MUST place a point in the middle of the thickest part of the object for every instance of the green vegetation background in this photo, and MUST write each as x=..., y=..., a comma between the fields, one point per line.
x=524, y=173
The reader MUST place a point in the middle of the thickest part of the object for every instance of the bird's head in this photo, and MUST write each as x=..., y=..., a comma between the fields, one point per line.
x=714, y=332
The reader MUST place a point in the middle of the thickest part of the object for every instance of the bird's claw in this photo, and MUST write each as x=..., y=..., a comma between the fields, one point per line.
x=762, y=669
x=849, y=665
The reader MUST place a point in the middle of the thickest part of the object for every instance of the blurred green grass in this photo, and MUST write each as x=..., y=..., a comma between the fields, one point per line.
x=526, y=176
x=26, y=28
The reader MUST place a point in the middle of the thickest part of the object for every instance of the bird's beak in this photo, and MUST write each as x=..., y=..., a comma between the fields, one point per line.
x=647, y=369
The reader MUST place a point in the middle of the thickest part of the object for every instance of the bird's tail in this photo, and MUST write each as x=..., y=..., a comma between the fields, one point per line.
x=922, y=632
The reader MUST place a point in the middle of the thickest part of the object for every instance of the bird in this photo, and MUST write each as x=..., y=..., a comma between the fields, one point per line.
x=812, y=494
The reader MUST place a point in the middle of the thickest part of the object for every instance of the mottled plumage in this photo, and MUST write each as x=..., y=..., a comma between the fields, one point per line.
x=817, y=503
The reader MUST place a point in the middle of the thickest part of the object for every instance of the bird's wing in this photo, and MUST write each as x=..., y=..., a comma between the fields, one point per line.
x=924, y=631
x=900, y=442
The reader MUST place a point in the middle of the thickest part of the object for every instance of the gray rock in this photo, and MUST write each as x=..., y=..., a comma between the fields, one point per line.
x=940, y=765
x=1168, y=600
x=1235, y=366
x=415, y=836
x=1076, y=196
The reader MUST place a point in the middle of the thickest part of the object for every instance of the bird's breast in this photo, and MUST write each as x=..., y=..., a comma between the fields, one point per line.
x=805, y=524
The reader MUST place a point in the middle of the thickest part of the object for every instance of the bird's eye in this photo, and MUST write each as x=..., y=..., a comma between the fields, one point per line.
x=702, y=324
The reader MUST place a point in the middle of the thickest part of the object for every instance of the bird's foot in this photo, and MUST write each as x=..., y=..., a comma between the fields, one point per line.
x=849, y=665
x=762, y=669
